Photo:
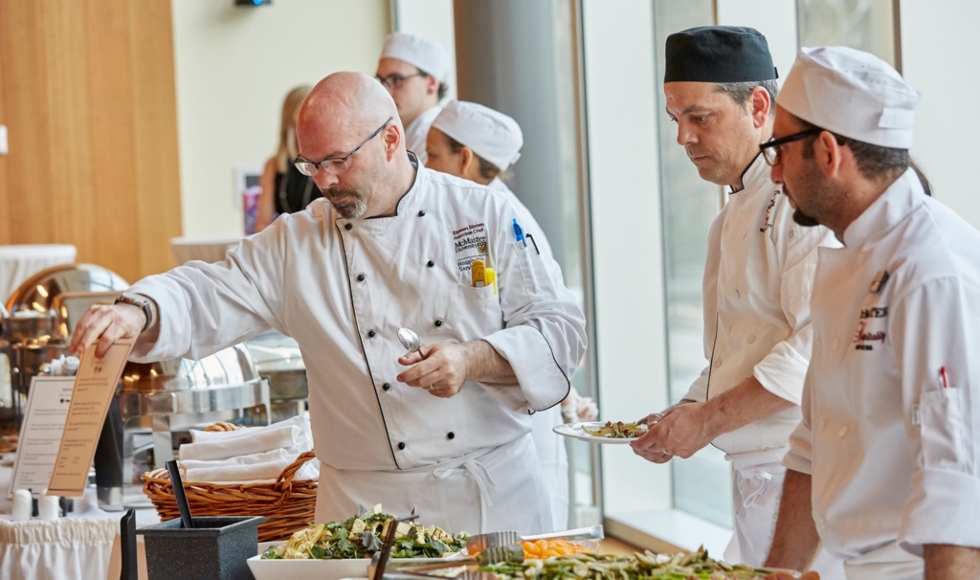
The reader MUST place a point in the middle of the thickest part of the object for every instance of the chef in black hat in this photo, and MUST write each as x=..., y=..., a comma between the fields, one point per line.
x=720, y=88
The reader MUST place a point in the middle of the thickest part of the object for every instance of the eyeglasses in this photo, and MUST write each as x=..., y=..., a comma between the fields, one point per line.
x=395, y=81
x=335, y=166
x=770, y=149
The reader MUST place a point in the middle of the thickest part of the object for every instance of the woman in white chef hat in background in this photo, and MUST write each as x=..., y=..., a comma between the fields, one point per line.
x=477, y=143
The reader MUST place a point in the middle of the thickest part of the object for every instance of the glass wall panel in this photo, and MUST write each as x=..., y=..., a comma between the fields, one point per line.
x=702, y=483
x=867, y=25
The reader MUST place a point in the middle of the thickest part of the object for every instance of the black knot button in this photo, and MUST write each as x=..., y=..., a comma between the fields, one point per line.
x=386, y=386
x=360, y=277
x=347, y=227
x=451, y=435
x=401, y=445
x=421, y=212
x=438, y=322
x=371, y=334
x=430, y=263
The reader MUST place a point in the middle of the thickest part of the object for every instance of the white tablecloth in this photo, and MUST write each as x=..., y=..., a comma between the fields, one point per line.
x=206, y=248
x=20, y=262
x=47, y=556
x=63, y=548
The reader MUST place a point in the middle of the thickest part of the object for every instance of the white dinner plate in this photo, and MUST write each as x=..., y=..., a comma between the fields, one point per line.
x=575, y=431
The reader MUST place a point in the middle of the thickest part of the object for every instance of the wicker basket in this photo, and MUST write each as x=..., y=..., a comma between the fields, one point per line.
x=287, y=505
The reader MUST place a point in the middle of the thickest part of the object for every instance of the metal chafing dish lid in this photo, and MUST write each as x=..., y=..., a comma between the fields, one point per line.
x=224, y=380
x=41, y=289
x=231, y=366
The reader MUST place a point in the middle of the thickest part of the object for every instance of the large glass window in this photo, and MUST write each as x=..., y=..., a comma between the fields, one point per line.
x=867, y=25
x=702, y=483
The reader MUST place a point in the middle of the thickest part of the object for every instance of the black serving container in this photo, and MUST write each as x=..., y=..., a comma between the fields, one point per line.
x=215, y=548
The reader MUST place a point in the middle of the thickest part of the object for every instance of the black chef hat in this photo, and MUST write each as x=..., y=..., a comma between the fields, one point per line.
x=718, y=54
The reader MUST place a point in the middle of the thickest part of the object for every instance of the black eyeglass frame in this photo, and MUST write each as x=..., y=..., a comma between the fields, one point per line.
x=300, y=163
x=395, y=81
x=775, y=144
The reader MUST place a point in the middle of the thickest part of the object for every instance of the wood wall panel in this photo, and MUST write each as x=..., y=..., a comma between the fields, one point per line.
x=87, y=93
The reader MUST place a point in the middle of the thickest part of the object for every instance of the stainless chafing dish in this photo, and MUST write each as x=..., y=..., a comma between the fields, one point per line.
x=277, y=357
x=155, y=403
x=36, y=331
x=175, y=395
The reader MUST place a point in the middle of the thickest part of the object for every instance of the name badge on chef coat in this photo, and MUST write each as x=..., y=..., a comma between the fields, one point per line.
x=470, y=244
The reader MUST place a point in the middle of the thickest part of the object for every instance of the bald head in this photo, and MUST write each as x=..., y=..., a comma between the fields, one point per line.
x=345, y=106
x=346, y=113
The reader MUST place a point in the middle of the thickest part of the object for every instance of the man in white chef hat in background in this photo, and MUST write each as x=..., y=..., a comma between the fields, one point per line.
x=477, y=143
x=884, y=469
x=414, y=70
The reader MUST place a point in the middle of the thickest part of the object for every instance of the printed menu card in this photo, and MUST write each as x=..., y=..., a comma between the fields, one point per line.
x=95, y=384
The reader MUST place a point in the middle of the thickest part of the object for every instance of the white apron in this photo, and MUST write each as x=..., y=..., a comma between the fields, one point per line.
x=456, y=495
x=756, y=492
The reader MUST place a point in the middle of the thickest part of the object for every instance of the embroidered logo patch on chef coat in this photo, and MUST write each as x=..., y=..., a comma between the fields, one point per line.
x=865, y=336
x=767, y=222
x=470, y=244
x=872, y=317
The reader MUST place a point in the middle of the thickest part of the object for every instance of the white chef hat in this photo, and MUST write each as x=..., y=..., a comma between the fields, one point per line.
x=490, y=134
x=851, y=93
x=419, y=52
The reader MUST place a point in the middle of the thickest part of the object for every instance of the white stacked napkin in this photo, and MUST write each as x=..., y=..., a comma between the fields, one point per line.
x=255, y=455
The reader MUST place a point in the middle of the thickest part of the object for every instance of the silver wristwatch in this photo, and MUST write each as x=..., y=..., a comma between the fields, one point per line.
x=140, y=301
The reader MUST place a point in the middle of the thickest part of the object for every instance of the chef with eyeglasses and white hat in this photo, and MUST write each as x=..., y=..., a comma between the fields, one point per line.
x=475, y=142
x=414, y=70
x=392, y=244
x=884, y=469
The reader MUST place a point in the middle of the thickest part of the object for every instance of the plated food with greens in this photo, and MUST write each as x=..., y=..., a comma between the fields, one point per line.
x=603, y=432
x=639, y=566
x=362, y=535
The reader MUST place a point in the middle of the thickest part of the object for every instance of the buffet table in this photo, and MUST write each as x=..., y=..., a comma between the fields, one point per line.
x=52, y=545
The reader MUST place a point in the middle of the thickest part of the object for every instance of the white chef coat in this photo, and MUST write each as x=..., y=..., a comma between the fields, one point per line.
x=418, y=130
x=550, y=446
x=342, y=288
x=894, y=456
x=757, y=281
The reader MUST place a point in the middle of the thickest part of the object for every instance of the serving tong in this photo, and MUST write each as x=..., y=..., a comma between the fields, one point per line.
x=483, y=542
x=504, y=554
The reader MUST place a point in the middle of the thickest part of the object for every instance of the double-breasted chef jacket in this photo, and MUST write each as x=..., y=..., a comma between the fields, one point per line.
x=756, y=291
x=891, y=409
x=342, y=288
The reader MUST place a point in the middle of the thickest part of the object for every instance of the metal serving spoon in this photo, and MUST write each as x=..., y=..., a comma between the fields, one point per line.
x=410, y=341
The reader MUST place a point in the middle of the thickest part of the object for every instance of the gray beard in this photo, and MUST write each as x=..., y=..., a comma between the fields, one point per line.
x=349, y=210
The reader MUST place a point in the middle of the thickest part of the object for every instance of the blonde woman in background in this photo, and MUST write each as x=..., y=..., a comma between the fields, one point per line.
x=284, y=188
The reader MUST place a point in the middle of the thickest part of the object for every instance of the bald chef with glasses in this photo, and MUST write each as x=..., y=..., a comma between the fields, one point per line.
x=446, y=429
